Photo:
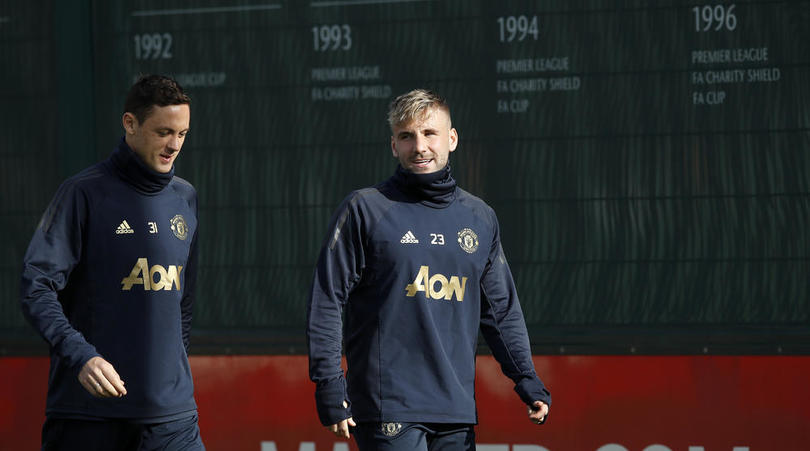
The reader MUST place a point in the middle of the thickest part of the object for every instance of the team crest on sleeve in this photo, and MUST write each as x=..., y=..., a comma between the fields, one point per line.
x=179, y=227
x=468, y=240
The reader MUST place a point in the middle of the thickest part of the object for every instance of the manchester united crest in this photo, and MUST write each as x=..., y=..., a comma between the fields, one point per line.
x=179, y=227
x=468, y=240
x=391, y=429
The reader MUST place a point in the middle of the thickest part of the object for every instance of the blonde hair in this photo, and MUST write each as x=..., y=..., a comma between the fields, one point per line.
x=413, y=105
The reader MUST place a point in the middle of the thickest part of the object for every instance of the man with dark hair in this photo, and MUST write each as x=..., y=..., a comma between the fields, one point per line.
x=417, y=265
x=108, y=281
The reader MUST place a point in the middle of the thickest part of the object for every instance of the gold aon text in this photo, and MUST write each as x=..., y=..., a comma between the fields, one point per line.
x=447, y=288
x=142, y=274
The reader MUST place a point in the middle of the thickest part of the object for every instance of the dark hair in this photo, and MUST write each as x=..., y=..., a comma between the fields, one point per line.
x=151, y=90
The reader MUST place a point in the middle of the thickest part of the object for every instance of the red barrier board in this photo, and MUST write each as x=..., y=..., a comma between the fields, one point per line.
x=605, y=403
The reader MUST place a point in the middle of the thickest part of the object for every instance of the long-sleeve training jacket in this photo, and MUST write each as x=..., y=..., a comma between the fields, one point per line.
x=110, y=272
x=416, y=266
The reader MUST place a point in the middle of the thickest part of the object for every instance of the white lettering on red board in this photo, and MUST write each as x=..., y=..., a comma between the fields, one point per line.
x=344, y=446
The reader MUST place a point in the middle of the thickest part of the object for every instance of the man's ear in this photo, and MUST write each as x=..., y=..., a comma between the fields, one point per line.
x=130, y=123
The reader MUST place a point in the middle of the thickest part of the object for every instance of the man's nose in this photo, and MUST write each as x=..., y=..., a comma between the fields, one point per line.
x=175, y=142
x=421, y=143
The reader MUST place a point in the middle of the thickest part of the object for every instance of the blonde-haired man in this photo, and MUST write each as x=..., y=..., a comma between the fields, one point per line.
x=416, y=263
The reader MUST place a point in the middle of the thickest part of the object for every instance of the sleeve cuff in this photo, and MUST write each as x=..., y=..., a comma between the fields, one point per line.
x=329, y=399
x=531, y=389
x=77, y=351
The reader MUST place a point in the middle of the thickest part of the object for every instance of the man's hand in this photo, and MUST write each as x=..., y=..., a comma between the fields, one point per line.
x=342, y=429
x=101, y=380
x=537, y=412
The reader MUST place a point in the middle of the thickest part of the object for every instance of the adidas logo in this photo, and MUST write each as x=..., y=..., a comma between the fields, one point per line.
x=409, y=238
x=124, y=228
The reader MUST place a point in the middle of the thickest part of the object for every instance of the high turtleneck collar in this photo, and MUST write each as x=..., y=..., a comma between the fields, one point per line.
x=437, y=189
x=127, y=164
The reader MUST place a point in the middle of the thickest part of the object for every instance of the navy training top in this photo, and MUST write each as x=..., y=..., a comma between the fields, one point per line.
x=110, y=272
x=417, y=265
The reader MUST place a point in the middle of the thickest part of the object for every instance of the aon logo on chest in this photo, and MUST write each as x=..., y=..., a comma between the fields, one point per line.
x=437, y=286
x=142, y=274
